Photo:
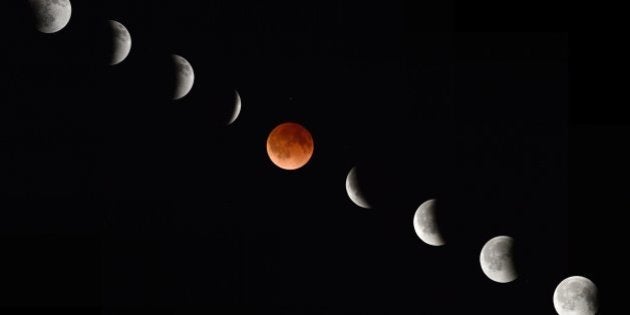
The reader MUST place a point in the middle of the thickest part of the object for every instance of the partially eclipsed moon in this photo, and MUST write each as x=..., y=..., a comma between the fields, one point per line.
x=576, y=295
x=121, y=44
x=354, y=190
x=51, y=15
x=425, y=223
x=497, y=259
x=184, y=77
x=290, y=146
x=237, y=107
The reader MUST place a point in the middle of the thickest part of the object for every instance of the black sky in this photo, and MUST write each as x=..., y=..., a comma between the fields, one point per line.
x=115, y=196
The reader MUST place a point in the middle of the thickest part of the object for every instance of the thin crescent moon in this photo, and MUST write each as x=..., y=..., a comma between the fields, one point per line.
x=354, y=191
x=237, y=109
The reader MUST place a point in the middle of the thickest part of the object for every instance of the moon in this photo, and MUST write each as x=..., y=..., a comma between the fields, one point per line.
x=425, y=223
x=237, y=107
x=354, y=190
x=576, y=295
x=290, y=146
x=184, y=77
x=121, y=44
x=497, y=260
x=51, y=15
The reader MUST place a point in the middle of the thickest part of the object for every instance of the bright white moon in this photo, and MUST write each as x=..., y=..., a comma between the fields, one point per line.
x=576, y=296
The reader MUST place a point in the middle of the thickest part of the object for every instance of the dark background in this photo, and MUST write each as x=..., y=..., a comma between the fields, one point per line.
x=115, y=196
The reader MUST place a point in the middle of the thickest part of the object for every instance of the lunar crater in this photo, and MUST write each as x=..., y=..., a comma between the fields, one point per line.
x=429, y=225
x=500, y=255
x=183, y=66
x=120, y=32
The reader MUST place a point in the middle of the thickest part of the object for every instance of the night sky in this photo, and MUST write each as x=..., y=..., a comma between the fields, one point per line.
x=115, y=196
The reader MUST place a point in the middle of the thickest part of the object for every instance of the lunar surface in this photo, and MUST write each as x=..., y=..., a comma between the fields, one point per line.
x=576, y=295
x=184, y=77
x=290, y=146
x=425, y=223
x=51, y=15
x=497, y=259
x=121, y=44
x=354, y=190
x=237, y=107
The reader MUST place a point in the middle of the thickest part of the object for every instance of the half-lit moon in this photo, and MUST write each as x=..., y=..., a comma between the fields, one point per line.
x=184, y=77
x=290, y=146
x=425, y=223
x=121, y=44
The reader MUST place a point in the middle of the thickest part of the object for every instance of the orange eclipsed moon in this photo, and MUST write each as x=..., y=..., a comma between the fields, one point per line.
x=290, y=146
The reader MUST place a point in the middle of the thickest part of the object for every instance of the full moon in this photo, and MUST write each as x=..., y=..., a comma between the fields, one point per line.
x=51, y=15
x=354, y=191
x=121, y=44
x=184, y=77
x=290, y=146
x=425, y=223
x=576, y=295
x=237, y=107
x=497, y=260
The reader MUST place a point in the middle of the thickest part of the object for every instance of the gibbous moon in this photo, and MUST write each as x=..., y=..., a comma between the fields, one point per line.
x=425, y=223
x=290, y=146
x=576, y=295
x=51, y=15
x=237, y=107
x=497, y=259
x=354, y=190
x=184, y=77
x=121, y=44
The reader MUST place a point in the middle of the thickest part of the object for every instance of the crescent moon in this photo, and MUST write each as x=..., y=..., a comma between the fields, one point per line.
x=425, y=223
x=51, y=15
x=184, y=77
x=121, y=44
x=237, y=107
x=354, y=190
x=576, y=295
x=497, y=259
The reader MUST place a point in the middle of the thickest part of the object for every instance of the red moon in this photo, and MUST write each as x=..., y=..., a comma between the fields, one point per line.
x=290, y=146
